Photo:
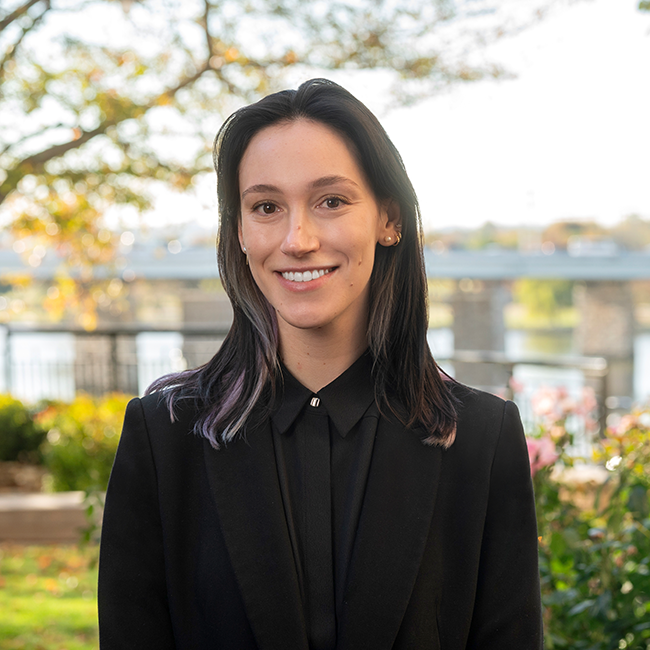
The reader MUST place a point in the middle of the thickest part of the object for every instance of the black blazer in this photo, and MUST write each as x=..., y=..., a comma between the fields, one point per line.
x=195, y=551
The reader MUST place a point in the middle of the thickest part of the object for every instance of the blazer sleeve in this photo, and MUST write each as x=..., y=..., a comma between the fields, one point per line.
x=507, y=610
x=132, y=596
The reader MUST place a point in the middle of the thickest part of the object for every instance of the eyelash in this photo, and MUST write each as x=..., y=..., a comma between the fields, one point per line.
x=334, y=198
x=259, y=205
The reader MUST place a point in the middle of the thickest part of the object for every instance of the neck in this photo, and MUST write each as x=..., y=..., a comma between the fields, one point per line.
x=315, y=359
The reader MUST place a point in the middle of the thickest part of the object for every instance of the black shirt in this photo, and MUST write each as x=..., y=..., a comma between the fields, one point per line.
x=323, y=446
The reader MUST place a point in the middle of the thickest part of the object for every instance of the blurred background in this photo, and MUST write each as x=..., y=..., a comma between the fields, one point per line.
x=523, y=125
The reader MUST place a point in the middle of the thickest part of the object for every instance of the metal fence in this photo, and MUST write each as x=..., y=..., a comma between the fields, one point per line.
x=57, y=362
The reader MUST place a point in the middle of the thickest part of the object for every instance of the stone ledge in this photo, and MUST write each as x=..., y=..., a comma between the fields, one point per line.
x=39, y=518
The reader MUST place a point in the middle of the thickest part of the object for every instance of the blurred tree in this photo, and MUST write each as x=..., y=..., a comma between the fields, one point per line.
x=633, y=232
x=560, y=232
x=103, y=100
x=543, y=298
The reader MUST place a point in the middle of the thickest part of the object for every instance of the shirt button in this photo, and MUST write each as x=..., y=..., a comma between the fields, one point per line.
x=314, y=401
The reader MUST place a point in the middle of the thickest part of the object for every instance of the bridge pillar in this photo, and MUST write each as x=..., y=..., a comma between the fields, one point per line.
x=203, y=309
x=108, y=362
x=479, y=325
x=606, y=329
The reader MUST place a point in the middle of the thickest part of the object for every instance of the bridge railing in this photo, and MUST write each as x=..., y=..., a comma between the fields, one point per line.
x=594, y=370
x=56, y=362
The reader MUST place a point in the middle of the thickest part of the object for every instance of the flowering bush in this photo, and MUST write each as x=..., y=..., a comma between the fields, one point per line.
x=20, y=436
x=82, y=440
x=542, y=453
x=594, y=559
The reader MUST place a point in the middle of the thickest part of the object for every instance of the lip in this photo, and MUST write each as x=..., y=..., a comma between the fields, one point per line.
x=302, y=269
x=312, y=285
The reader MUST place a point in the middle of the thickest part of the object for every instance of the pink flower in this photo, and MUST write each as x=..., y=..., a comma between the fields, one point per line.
x=541, y=452
x=544, y=402
x=627, y=422
x=557, y=432
x=567, y=405
x=589, y=401
x=516, y=386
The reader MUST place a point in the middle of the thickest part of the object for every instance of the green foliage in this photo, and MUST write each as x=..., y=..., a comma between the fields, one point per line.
x=97, y=119
x=543, y=297
x=20, y=436
x=48, y=597
x=595, y=557
x=82, y=440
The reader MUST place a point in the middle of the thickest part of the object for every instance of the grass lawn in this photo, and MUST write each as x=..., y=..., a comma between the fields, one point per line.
x=48, y=597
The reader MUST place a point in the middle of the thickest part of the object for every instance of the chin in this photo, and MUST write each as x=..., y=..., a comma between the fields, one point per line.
x=305, y=321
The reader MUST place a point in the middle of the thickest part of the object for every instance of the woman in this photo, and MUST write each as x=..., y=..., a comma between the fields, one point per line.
x=319, y=483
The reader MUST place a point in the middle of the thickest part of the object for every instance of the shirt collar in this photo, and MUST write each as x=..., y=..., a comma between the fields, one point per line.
x=345, y=399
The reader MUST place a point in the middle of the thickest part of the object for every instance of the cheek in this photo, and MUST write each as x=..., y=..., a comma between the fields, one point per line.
x=364, y=247
x=254, y=241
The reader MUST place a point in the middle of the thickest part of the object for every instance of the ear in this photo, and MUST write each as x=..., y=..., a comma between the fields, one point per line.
x=390, y=223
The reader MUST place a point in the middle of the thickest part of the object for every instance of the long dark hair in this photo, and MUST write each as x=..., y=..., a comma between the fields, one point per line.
x=238, y=383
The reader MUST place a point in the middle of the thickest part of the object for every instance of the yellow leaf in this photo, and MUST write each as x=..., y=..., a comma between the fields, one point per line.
x=231, y=54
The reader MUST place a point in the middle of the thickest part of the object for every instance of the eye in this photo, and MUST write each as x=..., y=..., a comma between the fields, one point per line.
x=333, y=202
x=266, y=208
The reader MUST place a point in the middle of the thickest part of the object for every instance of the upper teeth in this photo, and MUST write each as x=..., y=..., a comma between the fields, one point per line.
x=305, y=276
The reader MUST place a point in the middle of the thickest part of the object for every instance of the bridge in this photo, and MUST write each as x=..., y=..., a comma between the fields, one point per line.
x=511, y=265
x=605, y=300
x=197, y=263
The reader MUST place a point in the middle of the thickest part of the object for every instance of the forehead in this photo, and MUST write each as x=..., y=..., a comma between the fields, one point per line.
x=301, y=150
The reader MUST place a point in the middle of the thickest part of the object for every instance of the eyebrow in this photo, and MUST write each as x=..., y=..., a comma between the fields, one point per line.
x=325, y=181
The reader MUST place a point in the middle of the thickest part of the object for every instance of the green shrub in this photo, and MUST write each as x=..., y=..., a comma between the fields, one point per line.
x=82, y=440
x=20, y=436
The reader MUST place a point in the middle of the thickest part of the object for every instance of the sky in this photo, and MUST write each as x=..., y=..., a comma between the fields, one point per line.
x=569, y=137
x=565, y=135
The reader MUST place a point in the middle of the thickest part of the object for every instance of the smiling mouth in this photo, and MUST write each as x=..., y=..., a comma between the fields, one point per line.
x=306, y=276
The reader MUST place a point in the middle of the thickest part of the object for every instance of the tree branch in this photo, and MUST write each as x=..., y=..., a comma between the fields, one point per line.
x=183, y=83
x=38, y=160
x=11, y=49
x=30, y=136
x=20, y=11
x=208, y=36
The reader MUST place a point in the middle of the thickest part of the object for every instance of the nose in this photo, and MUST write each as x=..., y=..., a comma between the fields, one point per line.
x=301, y=237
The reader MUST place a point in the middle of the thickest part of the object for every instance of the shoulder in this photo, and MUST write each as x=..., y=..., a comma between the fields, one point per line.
x=151, y=417
x=483, y=420
x=474, y=406
x=155, y=408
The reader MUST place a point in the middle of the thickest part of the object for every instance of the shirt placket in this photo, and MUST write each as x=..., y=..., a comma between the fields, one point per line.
x=319, y=569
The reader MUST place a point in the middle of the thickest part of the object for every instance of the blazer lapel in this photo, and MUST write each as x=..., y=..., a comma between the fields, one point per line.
x=244, y=482
x=391, y=537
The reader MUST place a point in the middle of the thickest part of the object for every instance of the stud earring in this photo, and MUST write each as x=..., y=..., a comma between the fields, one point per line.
x=388, y=239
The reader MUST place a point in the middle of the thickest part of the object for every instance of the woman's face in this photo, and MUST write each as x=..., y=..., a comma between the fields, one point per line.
x=310, y=224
